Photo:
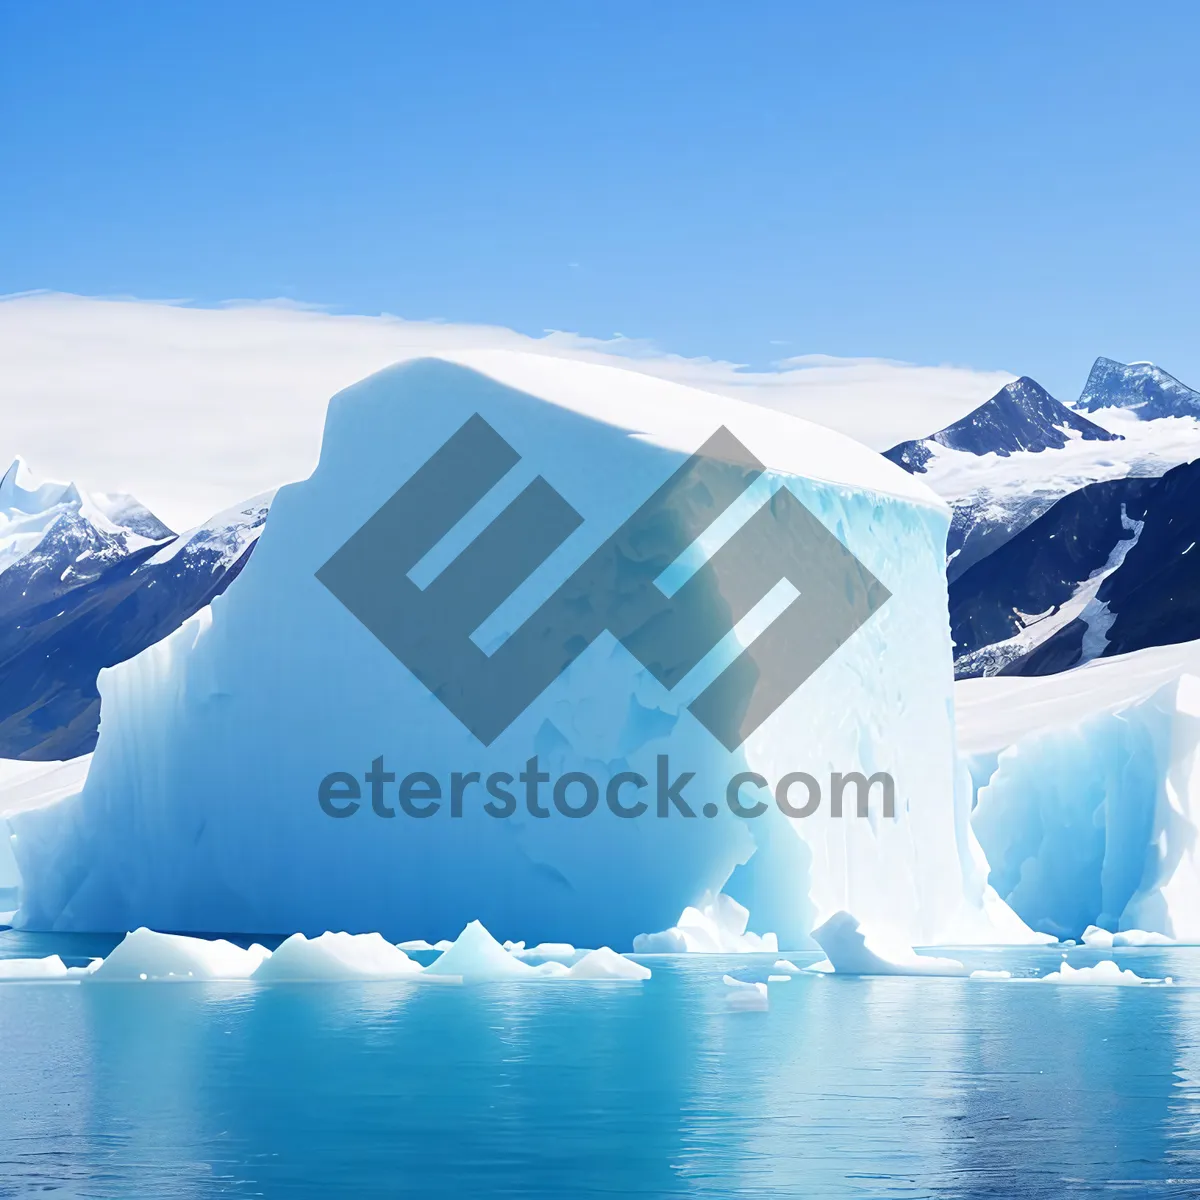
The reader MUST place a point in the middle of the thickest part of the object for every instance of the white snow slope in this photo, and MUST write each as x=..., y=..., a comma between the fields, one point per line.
x=201, y=811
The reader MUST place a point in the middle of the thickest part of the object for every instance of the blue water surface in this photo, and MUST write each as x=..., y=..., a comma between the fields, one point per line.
x=893, y=1087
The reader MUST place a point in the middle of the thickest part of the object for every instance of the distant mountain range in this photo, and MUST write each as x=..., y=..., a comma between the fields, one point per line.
x=1142, y=388
x=87, y=581
x=1022, y=415
x=1072, y=537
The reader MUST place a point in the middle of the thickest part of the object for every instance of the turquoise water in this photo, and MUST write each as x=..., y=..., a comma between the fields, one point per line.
x=846, y=1087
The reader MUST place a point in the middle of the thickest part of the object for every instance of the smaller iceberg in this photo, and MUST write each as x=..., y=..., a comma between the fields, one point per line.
x=745, y=997
x=1103, y=974
x=145, y=955
x=852, y=952
x=716, y=926
x=336, y=956
x=475, y=957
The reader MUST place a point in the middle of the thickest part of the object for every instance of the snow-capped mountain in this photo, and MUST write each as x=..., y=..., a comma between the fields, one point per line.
x=1007, y=463
x=1022, y=415
x=1108, y=569
x=1141, y=388
x=87, y=581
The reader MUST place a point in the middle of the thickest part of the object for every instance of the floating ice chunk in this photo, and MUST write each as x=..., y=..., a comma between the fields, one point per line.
x=476, y=957
x=443, y=945
x=784, y=964
x=779, y=979
x=417, y=944
x=52, y=967
x=607, y=964
x=1097, y=938
x=854, y=953
x=991, y=974
x=745, y=997
x=667, y=941
x=514, y=947
x=821, y=967
x=559, y=951
x=1103, y=974
x=336, y=956
x=552, y=970
x=146, y=955
x=716, y=926
x=1141, y=937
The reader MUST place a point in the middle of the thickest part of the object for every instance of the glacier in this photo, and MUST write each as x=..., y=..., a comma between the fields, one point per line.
x=206, y=805
x=1087, y=794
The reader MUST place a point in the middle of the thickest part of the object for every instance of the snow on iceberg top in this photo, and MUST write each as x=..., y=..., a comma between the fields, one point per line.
x=676, y=417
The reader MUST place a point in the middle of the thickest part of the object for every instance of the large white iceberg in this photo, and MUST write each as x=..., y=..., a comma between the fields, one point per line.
x=250, y=766
x=1088, y=794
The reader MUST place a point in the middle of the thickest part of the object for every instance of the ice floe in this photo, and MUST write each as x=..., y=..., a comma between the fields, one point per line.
x=145, y=955
x=335, y=956
x=745, y=997
x=474, y=957
x=1103, y=974
x=716, y=926
x=853, y=952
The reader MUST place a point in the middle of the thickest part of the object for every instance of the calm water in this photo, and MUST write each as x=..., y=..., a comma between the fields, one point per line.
x=846, y=1087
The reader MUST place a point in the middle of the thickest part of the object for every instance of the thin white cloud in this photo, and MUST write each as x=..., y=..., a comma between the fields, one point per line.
x=193, y=409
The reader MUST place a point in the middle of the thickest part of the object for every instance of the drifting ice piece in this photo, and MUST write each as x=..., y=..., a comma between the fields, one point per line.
x=1103, y=974
x=607, y=964
x=854, y=953
x=250, y=771
x=33, y=968
x=745, y=997
x=334, y=956
x=476, y=957
x=717, y=925
x=146, y=955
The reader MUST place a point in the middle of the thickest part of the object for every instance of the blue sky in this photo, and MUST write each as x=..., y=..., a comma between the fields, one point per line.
x=1001, y=186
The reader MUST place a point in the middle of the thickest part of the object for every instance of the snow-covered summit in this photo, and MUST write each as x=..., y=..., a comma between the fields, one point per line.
x=1140, y=387
x=1021, y=416
x=86, y=581
x=105, y=526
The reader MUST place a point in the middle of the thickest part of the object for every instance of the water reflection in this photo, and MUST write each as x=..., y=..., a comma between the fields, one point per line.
x=864, y=1088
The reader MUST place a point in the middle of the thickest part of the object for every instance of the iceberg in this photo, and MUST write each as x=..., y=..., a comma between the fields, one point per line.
x=296, y=757
x=853, y=952
x=1087, y=792
x=27, y=969
x=606, y=963
x=1103, y=974
x=146, y=955
x=745, y=997
x=476, y=957
x=335, y=956
x=716, y=925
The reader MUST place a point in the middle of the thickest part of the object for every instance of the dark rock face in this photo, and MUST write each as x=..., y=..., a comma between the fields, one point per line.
x=1111, y=568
